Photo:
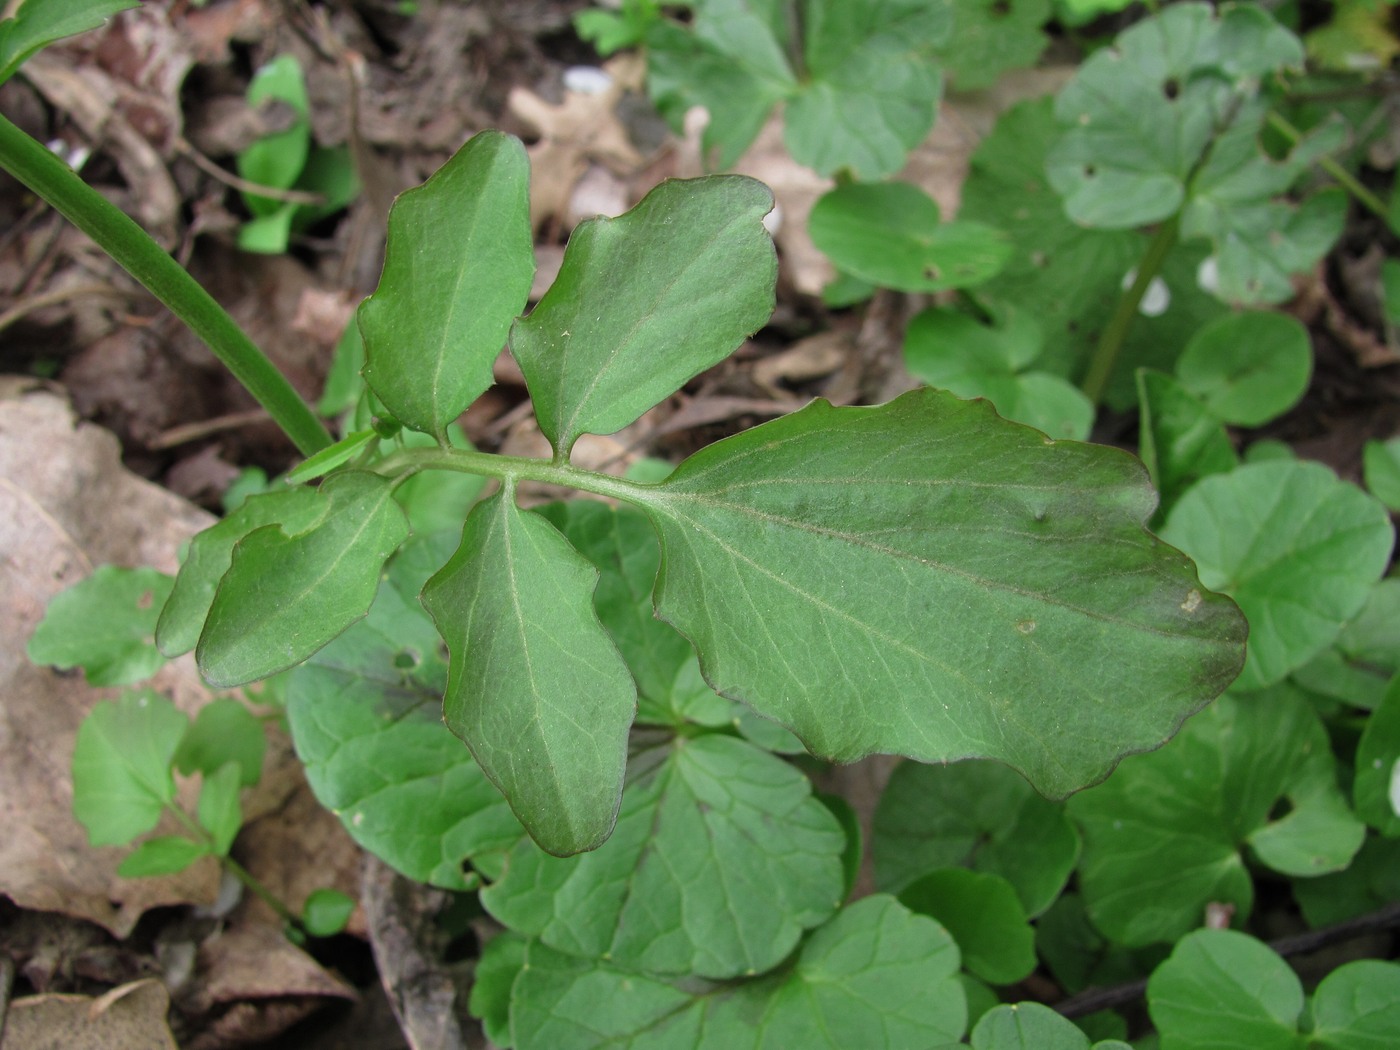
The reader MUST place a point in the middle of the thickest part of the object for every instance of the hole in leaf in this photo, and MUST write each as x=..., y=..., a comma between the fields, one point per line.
x=406, y=659
x=1000, y=8
x=1172, y=88
x=932, y=273
x=1090, y=171
x=1280, y=809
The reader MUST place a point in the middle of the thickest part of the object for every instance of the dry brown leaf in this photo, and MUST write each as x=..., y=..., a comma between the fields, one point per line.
x=131, y=1017
x=811, y=358
x=68, y=506
x=253, y=984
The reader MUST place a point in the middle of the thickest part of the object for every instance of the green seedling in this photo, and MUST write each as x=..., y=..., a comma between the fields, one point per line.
x=289, y=160
x=124, y=764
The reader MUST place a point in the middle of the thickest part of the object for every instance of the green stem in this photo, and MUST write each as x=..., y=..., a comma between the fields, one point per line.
x=511, y=469
x=238, y=871
x=1115, y=333
x=125, y=241
x=1329, y=164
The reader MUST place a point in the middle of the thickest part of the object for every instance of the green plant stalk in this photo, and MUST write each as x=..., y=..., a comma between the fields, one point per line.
x=242, y=874
x=1344, y=178
x=1115, y=333
x=134, y=249
x=410, y=461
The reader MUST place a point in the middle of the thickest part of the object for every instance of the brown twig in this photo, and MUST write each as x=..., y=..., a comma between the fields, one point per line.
x=1096, y=999
x=188, y=432
x=228, y=178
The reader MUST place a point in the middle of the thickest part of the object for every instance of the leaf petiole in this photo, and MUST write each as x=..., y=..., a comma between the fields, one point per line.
x=410, y=461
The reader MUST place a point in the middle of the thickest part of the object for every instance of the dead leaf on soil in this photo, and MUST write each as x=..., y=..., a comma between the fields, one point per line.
x=131, y=1017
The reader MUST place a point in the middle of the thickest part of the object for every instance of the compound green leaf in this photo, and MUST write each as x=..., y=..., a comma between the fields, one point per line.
x=991, y=37
x=121, y=766
x=1295, y=546
x=1180, y=441
x=720, y=860
x=106, y=625
x=981, y=815
x=875, y=976
x=38, y=23
x=365, y=714
x=218, y=810
x=646, y=301
x=1357, y=1007
x=1376, y=789
x=284, y=596
x=1139, y=116
x=457, y=269
x=211, y=553
x=1222, y=988
x=891, y=235
x=1248, y=368
x=1381, y=463
x=536, y=687
x=1031, y=1026
x=223, y=732
x=994, y=588
x=1163, y=836
x=950, y=350
x=984, y=916
x=164, y=855
x=872, y=87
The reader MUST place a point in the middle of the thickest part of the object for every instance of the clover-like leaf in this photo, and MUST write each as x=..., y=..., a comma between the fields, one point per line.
x=981, y=815
x=866, y=95
x=876, y=975
x=720, y=860
x=983, y=570
x=1298, y=548
x=1166, y=122
x=218, y=810
x=646, y=301
x=1066, y=276
x=1381, y=463
x=457, y=269
x=1141, y=115
x=1223, y=988
x=950, y=350
x=536, y=687
x=1249, y=367
x=1163, y=835
x=105, y=624
x=991, y=37
x=1032, y=1026
x=121, y=766
x=984, y=916
x=277, y=158
x=1357, y=1006
x=284, y=596
x=223, y=732
x=891, y=235
x=366, y=717
x=38, y=23
x=326, y=912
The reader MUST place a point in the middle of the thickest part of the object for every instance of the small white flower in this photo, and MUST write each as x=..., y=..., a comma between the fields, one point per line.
x=1208, y=275
x=1155, y=300
x=587, y=80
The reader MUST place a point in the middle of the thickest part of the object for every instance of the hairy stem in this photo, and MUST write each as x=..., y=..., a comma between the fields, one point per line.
x=1115, y=333
x=125, y=241
x=512, y=468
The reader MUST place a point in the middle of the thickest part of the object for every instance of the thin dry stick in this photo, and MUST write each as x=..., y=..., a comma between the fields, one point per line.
x=1096, y=999
x=207, y=166
x=56, y=296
